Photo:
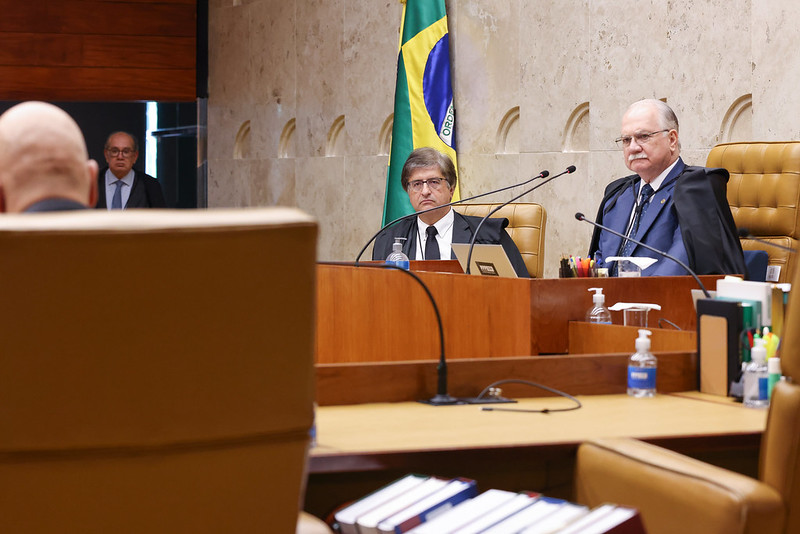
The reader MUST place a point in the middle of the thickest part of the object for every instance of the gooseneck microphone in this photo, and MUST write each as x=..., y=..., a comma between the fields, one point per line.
x=581, y=217
x=543, y=174
x=569, y=170
x=744, y=233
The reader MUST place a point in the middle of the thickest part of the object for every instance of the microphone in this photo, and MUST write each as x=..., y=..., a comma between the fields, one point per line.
x=745, y=234
x=543, y=174
x=569, y=170
x=581, y=217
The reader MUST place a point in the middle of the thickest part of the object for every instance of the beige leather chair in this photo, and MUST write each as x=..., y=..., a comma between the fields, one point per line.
x=156, y=370
x=678, y=494
x=764, y=195
x=526, y=224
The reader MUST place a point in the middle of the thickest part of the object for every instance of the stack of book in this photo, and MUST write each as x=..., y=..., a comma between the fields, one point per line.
x=420, y=504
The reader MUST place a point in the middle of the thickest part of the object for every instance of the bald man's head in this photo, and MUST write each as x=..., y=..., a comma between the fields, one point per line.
x=43, y=155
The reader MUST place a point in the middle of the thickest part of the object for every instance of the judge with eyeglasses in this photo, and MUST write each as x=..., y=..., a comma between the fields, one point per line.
x=675, y=208
x=120, y=186
x=429, y=179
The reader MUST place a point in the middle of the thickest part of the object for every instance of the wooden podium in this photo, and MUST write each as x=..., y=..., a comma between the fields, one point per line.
x=366, y=314
x=378, y=340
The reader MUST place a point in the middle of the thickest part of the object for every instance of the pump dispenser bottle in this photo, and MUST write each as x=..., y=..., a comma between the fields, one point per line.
x=598, y=313
x=642, y=367
x=756, y=377
x=397, y=257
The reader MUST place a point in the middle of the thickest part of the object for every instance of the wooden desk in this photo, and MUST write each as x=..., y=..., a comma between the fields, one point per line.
x=367, y=314
x=361, y=447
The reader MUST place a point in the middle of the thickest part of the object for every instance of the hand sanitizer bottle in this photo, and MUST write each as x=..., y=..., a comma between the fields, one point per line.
x=397, y=257
x=598, y=313
x=756, y=377
x=642, y=367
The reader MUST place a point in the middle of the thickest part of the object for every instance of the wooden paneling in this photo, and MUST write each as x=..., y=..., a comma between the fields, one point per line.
x=373, y=314
x=555, y=302
x=40, y=83
x=98, y=50
x=585, y=374
x=588, y=338
x=93, y=51
x=100, y=18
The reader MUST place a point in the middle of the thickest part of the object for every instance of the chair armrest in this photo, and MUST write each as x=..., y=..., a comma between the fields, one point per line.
x=675, y=493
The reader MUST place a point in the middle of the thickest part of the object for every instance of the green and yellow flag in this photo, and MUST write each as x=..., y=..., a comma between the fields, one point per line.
x=423, y=98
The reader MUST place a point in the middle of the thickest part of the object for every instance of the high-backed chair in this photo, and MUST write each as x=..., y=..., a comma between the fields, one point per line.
x=156, y=370
x=678, y=494
x=526, y=224
x=764, y=195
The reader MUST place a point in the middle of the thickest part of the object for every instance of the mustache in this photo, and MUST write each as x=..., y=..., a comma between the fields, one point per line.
x=640, y=155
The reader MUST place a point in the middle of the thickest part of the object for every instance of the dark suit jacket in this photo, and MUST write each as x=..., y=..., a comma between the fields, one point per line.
x=55, y=204
x=493, y=231
x=145, y=193
x=688, y=217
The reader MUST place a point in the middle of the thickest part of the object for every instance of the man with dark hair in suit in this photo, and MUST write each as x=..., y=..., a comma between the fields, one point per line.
x=119, y=185
x=44, y=165
x=429, y=178
x=674, y=208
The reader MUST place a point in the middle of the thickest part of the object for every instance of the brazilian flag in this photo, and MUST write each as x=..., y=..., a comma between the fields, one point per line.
x=423, y=99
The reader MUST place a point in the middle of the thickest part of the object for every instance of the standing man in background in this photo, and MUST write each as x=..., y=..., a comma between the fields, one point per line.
x=44, y=165
x=119, y=185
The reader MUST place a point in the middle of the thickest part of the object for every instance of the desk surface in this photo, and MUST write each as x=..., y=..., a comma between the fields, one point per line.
x=365, y=436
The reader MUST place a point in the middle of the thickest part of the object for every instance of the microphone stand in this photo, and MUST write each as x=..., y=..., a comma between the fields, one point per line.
x=581, y=217
x=543, y=174
x=569, y=170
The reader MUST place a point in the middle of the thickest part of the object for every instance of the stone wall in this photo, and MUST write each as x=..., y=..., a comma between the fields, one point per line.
x=302, y=92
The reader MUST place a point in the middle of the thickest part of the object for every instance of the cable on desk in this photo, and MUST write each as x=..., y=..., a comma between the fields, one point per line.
x=577, y=406
x=668, y=322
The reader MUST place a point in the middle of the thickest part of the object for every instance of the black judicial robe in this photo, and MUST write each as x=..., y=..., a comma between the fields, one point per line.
x=707, y=227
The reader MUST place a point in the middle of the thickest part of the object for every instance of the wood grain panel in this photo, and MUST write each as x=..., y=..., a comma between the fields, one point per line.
x=51, y=50
x=101, y=50
x=181, y=2
x=555, y=302
x=588, y=338
x=373, y=314
x=99, y=18
x=66, y=84
x=592, y=374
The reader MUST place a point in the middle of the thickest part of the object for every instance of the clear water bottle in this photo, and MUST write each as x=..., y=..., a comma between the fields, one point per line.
x=598, y=313
x=756, y=377
x=642, y=367
x=397, y=257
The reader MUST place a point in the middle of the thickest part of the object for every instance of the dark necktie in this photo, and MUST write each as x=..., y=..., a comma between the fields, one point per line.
x=431, y=245
x=641, y=207
x=116, y=201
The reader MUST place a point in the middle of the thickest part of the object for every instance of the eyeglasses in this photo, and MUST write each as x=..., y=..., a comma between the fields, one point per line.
x=641, y=138
x=433, y=183
x=126, y=152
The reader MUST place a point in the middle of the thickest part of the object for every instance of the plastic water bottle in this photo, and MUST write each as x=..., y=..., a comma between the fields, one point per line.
x=756, y=377
x=642, y=367
x=397, y=257
x=598, y=313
